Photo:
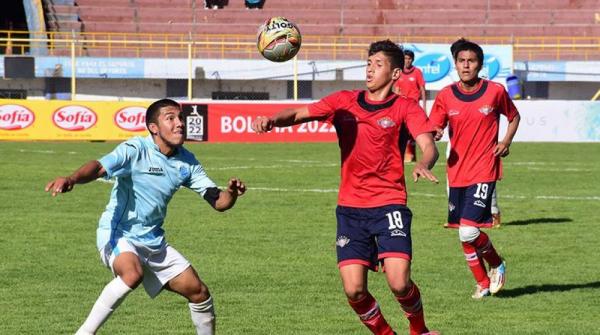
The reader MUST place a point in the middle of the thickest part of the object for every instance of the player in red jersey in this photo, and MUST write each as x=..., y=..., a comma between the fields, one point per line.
x=471, y=108
x=411, y=85
x=373, y=220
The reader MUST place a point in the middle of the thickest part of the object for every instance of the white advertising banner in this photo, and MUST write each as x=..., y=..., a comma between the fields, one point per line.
x=557, y=121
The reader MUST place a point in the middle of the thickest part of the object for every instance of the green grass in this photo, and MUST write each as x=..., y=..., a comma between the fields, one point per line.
x=270, y=261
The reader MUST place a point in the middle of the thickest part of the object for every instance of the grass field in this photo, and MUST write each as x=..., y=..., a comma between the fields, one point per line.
x=270, y=262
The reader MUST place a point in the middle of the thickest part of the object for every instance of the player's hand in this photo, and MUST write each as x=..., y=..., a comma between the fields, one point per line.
x=60, y=185
x=439, y=133
x=262, y=124
x=501, y=149
x=236, y=186
x=421, y=171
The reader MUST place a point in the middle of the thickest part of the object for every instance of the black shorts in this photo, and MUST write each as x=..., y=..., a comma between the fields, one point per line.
x=368, y=235
x=471, y=205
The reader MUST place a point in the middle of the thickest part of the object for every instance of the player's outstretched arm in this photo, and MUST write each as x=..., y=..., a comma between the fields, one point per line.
x=227, y=198
x=502, y=146
x=428, y=158
x=90, y=171
x=285, y=118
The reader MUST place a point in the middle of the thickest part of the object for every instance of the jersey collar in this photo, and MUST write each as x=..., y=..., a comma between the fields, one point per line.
x=370, y=107
x=470, y=96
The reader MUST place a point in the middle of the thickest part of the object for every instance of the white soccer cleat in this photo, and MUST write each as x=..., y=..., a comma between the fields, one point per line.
x=497, y=277
x=480, y=292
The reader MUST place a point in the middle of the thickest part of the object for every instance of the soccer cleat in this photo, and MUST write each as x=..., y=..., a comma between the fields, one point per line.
x=496, y=220
x=480, y=292
x=433, y=332
x=497, y=277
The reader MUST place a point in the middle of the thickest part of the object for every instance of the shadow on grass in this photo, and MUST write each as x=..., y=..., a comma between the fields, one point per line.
x=533, y=289
x=536, y=221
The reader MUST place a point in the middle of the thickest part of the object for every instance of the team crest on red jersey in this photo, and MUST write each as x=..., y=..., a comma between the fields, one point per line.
x=485, y=110
x=386, y=122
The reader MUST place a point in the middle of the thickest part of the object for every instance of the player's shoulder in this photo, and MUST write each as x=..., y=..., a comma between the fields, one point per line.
x=494, y=86
x=136, y=142
x=186, y=156
x=446, y=90
x=347, y=94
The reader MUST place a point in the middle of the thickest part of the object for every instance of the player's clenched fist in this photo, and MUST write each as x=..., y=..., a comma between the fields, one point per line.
x=236, y=186
x=262, y=124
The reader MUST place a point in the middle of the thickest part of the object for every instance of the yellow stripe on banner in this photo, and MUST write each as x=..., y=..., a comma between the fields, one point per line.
x=29, y=120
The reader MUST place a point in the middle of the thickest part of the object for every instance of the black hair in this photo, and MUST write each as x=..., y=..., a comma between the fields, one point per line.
x=410, y=54
x=391, y=50
x=463, y=44
x=154, y=109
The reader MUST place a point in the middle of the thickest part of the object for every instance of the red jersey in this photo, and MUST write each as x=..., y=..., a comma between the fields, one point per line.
x=473, y=120
x=410, y=82
x=372, y=169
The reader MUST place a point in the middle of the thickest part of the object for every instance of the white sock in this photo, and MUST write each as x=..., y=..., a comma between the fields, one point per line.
x=495, y=207
x=110, y=298
x=203, y=317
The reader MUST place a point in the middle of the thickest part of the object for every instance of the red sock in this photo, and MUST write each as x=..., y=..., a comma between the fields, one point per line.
x=370, y=315
x=486, y=249
x=476, y=265
x=413, y=309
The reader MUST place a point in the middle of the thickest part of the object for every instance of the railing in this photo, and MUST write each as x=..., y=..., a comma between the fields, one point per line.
x=244, y=46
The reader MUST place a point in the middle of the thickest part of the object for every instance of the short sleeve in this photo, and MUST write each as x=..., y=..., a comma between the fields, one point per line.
x=439, y=115
x=416, y=120
x=507, y=107
x=325, y=108
x=118, y=162
x=199, y=180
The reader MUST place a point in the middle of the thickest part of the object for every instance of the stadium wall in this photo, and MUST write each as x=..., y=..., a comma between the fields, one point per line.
x=542, y=121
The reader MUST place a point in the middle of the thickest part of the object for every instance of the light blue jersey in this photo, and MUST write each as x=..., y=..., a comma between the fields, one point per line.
x=145, y=183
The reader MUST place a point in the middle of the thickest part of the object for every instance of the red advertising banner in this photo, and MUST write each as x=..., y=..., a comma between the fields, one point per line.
x=232, y=123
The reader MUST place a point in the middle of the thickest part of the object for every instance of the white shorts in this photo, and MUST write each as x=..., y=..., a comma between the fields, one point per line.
x=160, y=266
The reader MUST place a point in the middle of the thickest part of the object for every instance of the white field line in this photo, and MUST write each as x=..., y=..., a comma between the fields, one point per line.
x=50, y=152
x=414, y=194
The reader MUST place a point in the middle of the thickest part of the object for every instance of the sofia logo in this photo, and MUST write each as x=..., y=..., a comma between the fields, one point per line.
x=15, y=117
x=74, y=118
x=434, y=66
x=131, y=118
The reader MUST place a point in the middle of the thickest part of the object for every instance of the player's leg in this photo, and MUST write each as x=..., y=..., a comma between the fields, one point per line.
x=356, y=253
x=189, y=285
x=477, y=213
x=394, y=243
x=354, y=281
x=172, y=271
x=496, y=222
x=126, y=265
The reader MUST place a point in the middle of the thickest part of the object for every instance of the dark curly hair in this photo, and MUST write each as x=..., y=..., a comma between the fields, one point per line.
x=463, y=44
x=391, y=50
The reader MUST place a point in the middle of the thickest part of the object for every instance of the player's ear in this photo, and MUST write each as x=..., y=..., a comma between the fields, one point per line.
x=396, y=73
x=153, y=128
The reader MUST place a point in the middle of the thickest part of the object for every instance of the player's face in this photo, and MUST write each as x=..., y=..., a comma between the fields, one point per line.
x=379, y=72
x=170, y=126
x=407, y=62
x=467, y=66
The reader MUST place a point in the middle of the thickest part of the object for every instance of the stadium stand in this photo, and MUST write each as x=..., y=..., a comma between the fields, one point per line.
x=179, y=19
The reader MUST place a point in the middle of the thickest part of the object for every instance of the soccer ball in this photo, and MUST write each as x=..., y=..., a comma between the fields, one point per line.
x=278, y=39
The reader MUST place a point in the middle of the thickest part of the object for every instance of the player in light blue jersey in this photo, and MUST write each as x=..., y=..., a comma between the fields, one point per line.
x=130, y=238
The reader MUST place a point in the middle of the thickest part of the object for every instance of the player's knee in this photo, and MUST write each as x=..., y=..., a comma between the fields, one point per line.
x=355, y=293
x=400, y=288
x=199, y=294
x=468, y=233
x=132, y=278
